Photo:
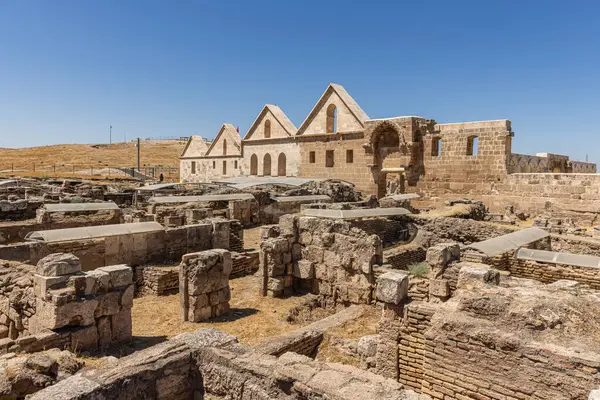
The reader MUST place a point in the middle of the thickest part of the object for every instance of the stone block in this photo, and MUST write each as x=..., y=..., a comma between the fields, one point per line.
x=58, y=264
x=439, y=255
x=84, y=338
x=594, y=395
x=313, y=253
x=97, y=281
x=108, y=304
x=472, y=275
x=287, y=225
x=77, y=313
x=121, y=326
x=127, y=297
x=439, y=288
x=275, y=284
x=44, y=283
x=200, y=314
x=392, y=287
x=104, y=332
x=304, y=269
x=288, y=281
x=120, y=275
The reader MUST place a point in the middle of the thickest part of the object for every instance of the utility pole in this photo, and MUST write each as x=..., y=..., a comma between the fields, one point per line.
x=139, y=146
x=110, y=135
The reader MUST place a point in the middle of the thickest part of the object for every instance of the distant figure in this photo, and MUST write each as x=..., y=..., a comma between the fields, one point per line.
x=172, y=181
x=161, y=177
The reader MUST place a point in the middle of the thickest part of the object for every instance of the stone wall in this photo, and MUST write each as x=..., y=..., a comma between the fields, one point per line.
x=133, y=249
x=552, y=272
x=244, y=263
x=55, y=305
x=327, y=257
x=156, y=281
x=401, y=258
x=274, y=148
x=18, y=210
x=209, y=363
x=204, y=284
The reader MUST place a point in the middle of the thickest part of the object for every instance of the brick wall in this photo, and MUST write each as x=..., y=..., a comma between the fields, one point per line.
x=403, y=257
x=411, y=345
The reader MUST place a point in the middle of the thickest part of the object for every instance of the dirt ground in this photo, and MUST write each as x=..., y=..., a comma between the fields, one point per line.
x=251, y=238
x=252, y=319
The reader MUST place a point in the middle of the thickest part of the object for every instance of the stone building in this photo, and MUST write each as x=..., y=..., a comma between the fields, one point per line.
x=269, y=148
x=407, y=154
x=222, y=159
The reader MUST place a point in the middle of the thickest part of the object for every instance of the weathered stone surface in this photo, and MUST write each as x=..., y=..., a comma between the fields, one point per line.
x=367, y=346
x=473, y=275
x=392, y=287
x=120, y=275
x=78, y=313
x=304, y=269
x=440, y=254
x=58, y=264
x=439, y=288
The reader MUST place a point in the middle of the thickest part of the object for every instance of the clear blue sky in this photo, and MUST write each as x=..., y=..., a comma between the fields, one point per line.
x=69, y=69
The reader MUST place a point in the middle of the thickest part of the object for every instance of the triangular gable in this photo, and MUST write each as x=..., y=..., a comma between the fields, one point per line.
x=284, y=127
x=350, y=116
x=195, y=147
x=227, y=132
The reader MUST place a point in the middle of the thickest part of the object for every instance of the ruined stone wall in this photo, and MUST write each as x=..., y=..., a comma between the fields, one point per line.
x=327, y=257
x=403, y=257
x=550, y=272
x=537, y=192
x=204, y=284
x=156, y=281
x=210, y=168
x=390, y=230
x=18, y=210
x=131, y=249
x=244, y=263
x=454, y=171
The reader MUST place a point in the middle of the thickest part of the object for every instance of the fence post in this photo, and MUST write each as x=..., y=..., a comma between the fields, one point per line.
x=33, y=167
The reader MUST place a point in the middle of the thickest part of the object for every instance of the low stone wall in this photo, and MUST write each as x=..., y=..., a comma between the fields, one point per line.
x=131, y=249
x=401, y=258
x=18, y=210
x=550, y=272
x=156, y=281
x=244, y=263
x=306, y=340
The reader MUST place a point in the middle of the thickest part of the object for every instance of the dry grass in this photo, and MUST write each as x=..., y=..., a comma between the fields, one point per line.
x=253, y=317
x=64, y=159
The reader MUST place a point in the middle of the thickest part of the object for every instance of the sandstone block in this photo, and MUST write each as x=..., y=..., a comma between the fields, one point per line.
x=439, y=255
x=77, y=313
x=44, y=283
x=476, y=275
x=367, y=346
x=97, y=281
x=127, y=297
x=108, y=304
x=120, y=275
x=304, y=269
x=58, y=264
x=594, y=395
x=392, y=287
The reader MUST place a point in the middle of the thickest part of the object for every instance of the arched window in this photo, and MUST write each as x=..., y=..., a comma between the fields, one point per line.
x=267, y=129
x=472, y=145
x=331, y=119
x=253, y=165
x=267, y=165
x=224, y=147
x=281, y=169
x=436, y=146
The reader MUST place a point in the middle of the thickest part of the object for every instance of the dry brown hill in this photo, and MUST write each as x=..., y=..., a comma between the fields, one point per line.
x=75, y=158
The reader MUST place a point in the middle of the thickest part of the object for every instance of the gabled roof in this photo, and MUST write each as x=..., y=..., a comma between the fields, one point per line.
x=352, y=105
x=279, y=115
x=195, y=139
x=229, y=131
